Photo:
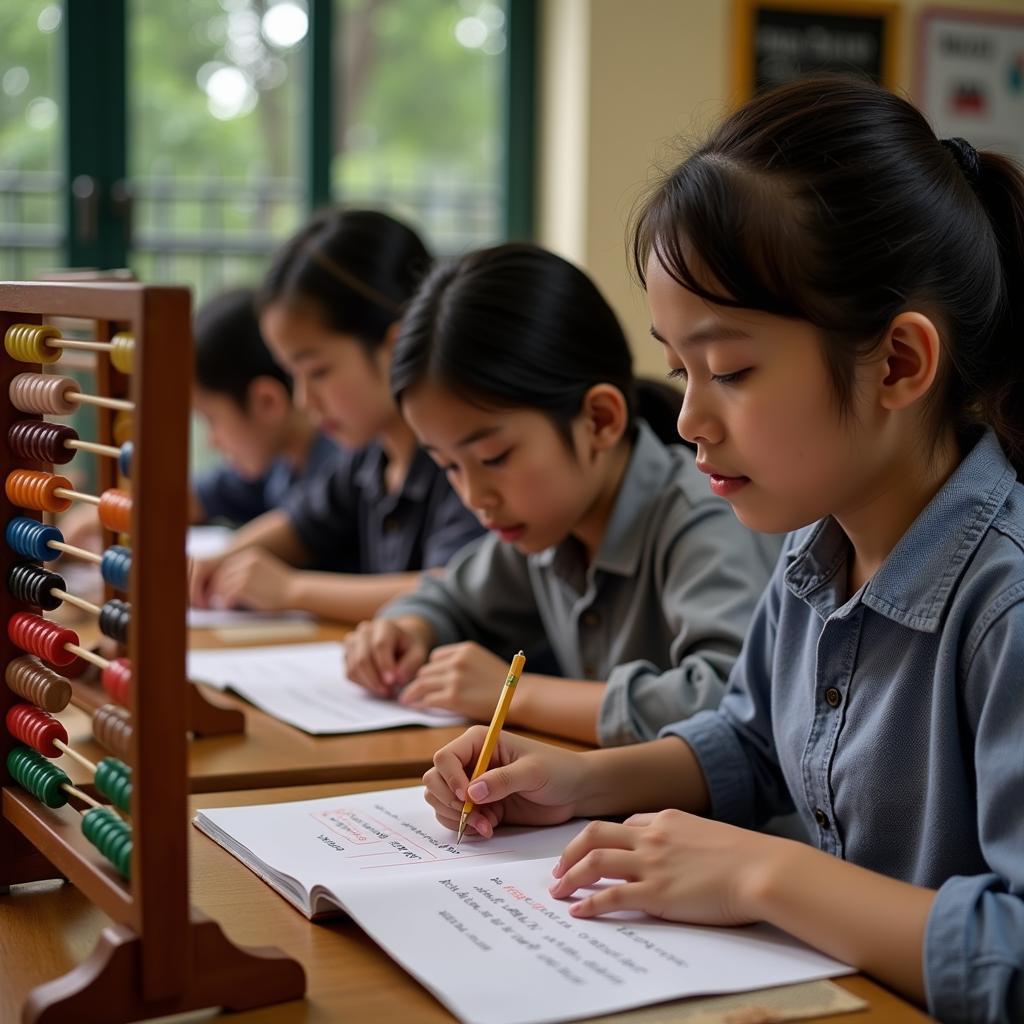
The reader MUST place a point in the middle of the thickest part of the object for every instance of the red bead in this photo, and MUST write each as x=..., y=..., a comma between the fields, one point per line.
x=36, y=728
x=117, y=681
x=41, y=637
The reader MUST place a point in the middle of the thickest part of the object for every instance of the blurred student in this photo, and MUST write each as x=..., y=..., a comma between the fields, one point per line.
x=244, y=398
x=330, y=309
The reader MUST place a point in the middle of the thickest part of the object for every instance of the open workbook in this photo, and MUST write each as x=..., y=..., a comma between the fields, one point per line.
x=305, y=685
x=475, y=923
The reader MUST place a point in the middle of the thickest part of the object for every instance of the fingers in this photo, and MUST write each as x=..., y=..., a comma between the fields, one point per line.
x=454, y=761
x=596, y=865
x=597, y=835
x=608, y=899
x=366, y=649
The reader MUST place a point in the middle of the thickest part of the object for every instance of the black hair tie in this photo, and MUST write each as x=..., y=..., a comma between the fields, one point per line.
x=966, y=157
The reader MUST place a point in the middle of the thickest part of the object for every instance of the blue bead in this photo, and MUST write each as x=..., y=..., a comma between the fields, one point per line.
x=115, y=566
x=124, y=460
x=31, y=538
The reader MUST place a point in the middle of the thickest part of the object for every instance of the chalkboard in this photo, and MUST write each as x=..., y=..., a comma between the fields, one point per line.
x=782, y=40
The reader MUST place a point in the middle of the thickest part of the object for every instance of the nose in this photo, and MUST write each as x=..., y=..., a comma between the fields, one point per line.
x=300, y=393
x=696, y=422
x=477, y=493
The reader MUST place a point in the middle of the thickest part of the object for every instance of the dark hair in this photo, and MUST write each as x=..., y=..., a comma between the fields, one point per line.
x=356, y=268
x=831, y=200
x=229, y=350
x=513, y=326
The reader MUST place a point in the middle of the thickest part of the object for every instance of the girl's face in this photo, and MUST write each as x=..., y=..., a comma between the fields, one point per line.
x=248, y=439
x=511, y=467
x=335, y=378
x=761, y=407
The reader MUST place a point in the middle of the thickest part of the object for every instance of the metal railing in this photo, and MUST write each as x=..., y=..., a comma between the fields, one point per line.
x=217, y=231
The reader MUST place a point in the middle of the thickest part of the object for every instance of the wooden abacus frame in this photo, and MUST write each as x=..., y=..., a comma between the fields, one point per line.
x=160, y=956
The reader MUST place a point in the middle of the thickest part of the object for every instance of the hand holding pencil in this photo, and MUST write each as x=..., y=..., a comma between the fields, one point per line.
x=493, y=732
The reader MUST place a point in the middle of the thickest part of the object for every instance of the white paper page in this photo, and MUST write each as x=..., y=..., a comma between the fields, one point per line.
x=346, y=843
x=495, y=948
x=226, y=618
x=207, y=541
x=305, y=685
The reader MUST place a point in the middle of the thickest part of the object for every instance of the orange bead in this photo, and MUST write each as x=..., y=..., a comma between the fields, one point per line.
x=32, y=488
x=116, y=510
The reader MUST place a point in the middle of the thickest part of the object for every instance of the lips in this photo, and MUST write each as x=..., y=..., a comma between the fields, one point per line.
x=508, y=533
x=721, y=483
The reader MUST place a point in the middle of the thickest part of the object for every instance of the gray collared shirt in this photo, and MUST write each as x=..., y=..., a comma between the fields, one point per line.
x=349, y=522
x=893, y=721
x=660, y=613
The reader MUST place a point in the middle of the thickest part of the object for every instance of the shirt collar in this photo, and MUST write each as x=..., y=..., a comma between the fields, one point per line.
x=916, y=581
x=369, y=477
x=647, y=473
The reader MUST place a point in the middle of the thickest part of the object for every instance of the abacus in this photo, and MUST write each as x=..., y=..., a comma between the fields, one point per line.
x=121, y=840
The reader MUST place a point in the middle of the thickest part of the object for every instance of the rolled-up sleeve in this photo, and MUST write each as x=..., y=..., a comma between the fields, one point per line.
x=974, y=940
x=734, y=744
x=485, y=596
x=711, y=575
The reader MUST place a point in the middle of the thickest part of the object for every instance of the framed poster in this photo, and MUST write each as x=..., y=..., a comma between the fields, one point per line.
x=779, y=40
x=969, y=76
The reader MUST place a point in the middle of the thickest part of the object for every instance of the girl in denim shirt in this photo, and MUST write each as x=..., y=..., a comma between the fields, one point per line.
x=844, y=295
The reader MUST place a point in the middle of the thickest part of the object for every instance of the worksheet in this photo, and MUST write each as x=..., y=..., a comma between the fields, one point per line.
x=305, y=685
x=475, y=924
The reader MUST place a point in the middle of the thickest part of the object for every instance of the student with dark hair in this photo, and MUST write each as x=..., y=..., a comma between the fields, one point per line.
x=245, y=401
x=604, y=546
x=844, y=294
x=329, y=308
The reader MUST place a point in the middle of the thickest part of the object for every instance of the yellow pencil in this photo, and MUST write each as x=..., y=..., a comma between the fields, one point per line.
x=493, y=732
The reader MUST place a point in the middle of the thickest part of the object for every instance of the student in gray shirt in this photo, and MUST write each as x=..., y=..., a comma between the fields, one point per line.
x=606, y=550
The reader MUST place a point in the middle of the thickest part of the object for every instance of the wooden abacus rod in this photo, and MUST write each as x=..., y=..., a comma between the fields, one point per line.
x=95, y=447
x=103, y=401
x=84, y=797
x=91, y=656
x=70, y=549
x=48, y=394
x=36, y=541
x=78, y=602
x=71, y=752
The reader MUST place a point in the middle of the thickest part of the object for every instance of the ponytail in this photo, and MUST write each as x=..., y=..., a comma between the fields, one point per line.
x=1001, y=189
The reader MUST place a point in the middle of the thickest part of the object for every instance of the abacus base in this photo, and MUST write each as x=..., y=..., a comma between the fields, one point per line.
x=106, y=988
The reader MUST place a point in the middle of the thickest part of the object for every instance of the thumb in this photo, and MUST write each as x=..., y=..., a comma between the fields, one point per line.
x=505, y=781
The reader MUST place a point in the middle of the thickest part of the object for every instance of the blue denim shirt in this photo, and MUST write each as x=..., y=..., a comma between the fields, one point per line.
x=893, y=722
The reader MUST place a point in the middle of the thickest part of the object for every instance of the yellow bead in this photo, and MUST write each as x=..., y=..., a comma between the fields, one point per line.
x=27, y=343
x=122, y=353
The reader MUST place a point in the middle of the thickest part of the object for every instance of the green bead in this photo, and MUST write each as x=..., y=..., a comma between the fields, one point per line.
x=114, y=781
x=41, y=777
x=111, y=836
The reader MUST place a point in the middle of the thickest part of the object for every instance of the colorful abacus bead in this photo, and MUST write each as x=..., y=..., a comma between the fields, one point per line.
x=114, y=781
x=36, y=441
x=42, y=638
x=123, y=427
x=116, y=678
x=111, y=836
x=31, y=538
x=27, y=343
x=32, y=488
x=112, y=727
x=43, y=779
x=115, y=566
x=43, y=394
x=124, y=460
x=29, y=678
x=116, y=510
x=36, y=729
x=31, y=584
x=115, y=618
x=122, y=351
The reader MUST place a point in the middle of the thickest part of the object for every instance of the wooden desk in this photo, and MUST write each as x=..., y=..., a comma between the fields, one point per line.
x=43, y=934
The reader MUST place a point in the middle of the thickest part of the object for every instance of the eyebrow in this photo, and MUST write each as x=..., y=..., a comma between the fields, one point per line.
x=713, y=332
x=476, y=435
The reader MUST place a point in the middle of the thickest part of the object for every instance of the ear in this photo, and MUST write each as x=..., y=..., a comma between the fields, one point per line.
x=267, y=399
x=604, y=416
x=910, y=356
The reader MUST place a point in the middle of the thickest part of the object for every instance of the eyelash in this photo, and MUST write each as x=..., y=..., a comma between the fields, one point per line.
x=718, y=378
x=498, y=460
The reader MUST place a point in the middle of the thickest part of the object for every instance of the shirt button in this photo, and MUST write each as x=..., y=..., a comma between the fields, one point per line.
x=821, y=818
x=591, y=619
x=590, y=671
x=833, y=698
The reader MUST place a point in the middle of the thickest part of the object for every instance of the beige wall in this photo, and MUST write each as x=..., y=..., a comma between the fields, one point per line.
x=619, y=80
